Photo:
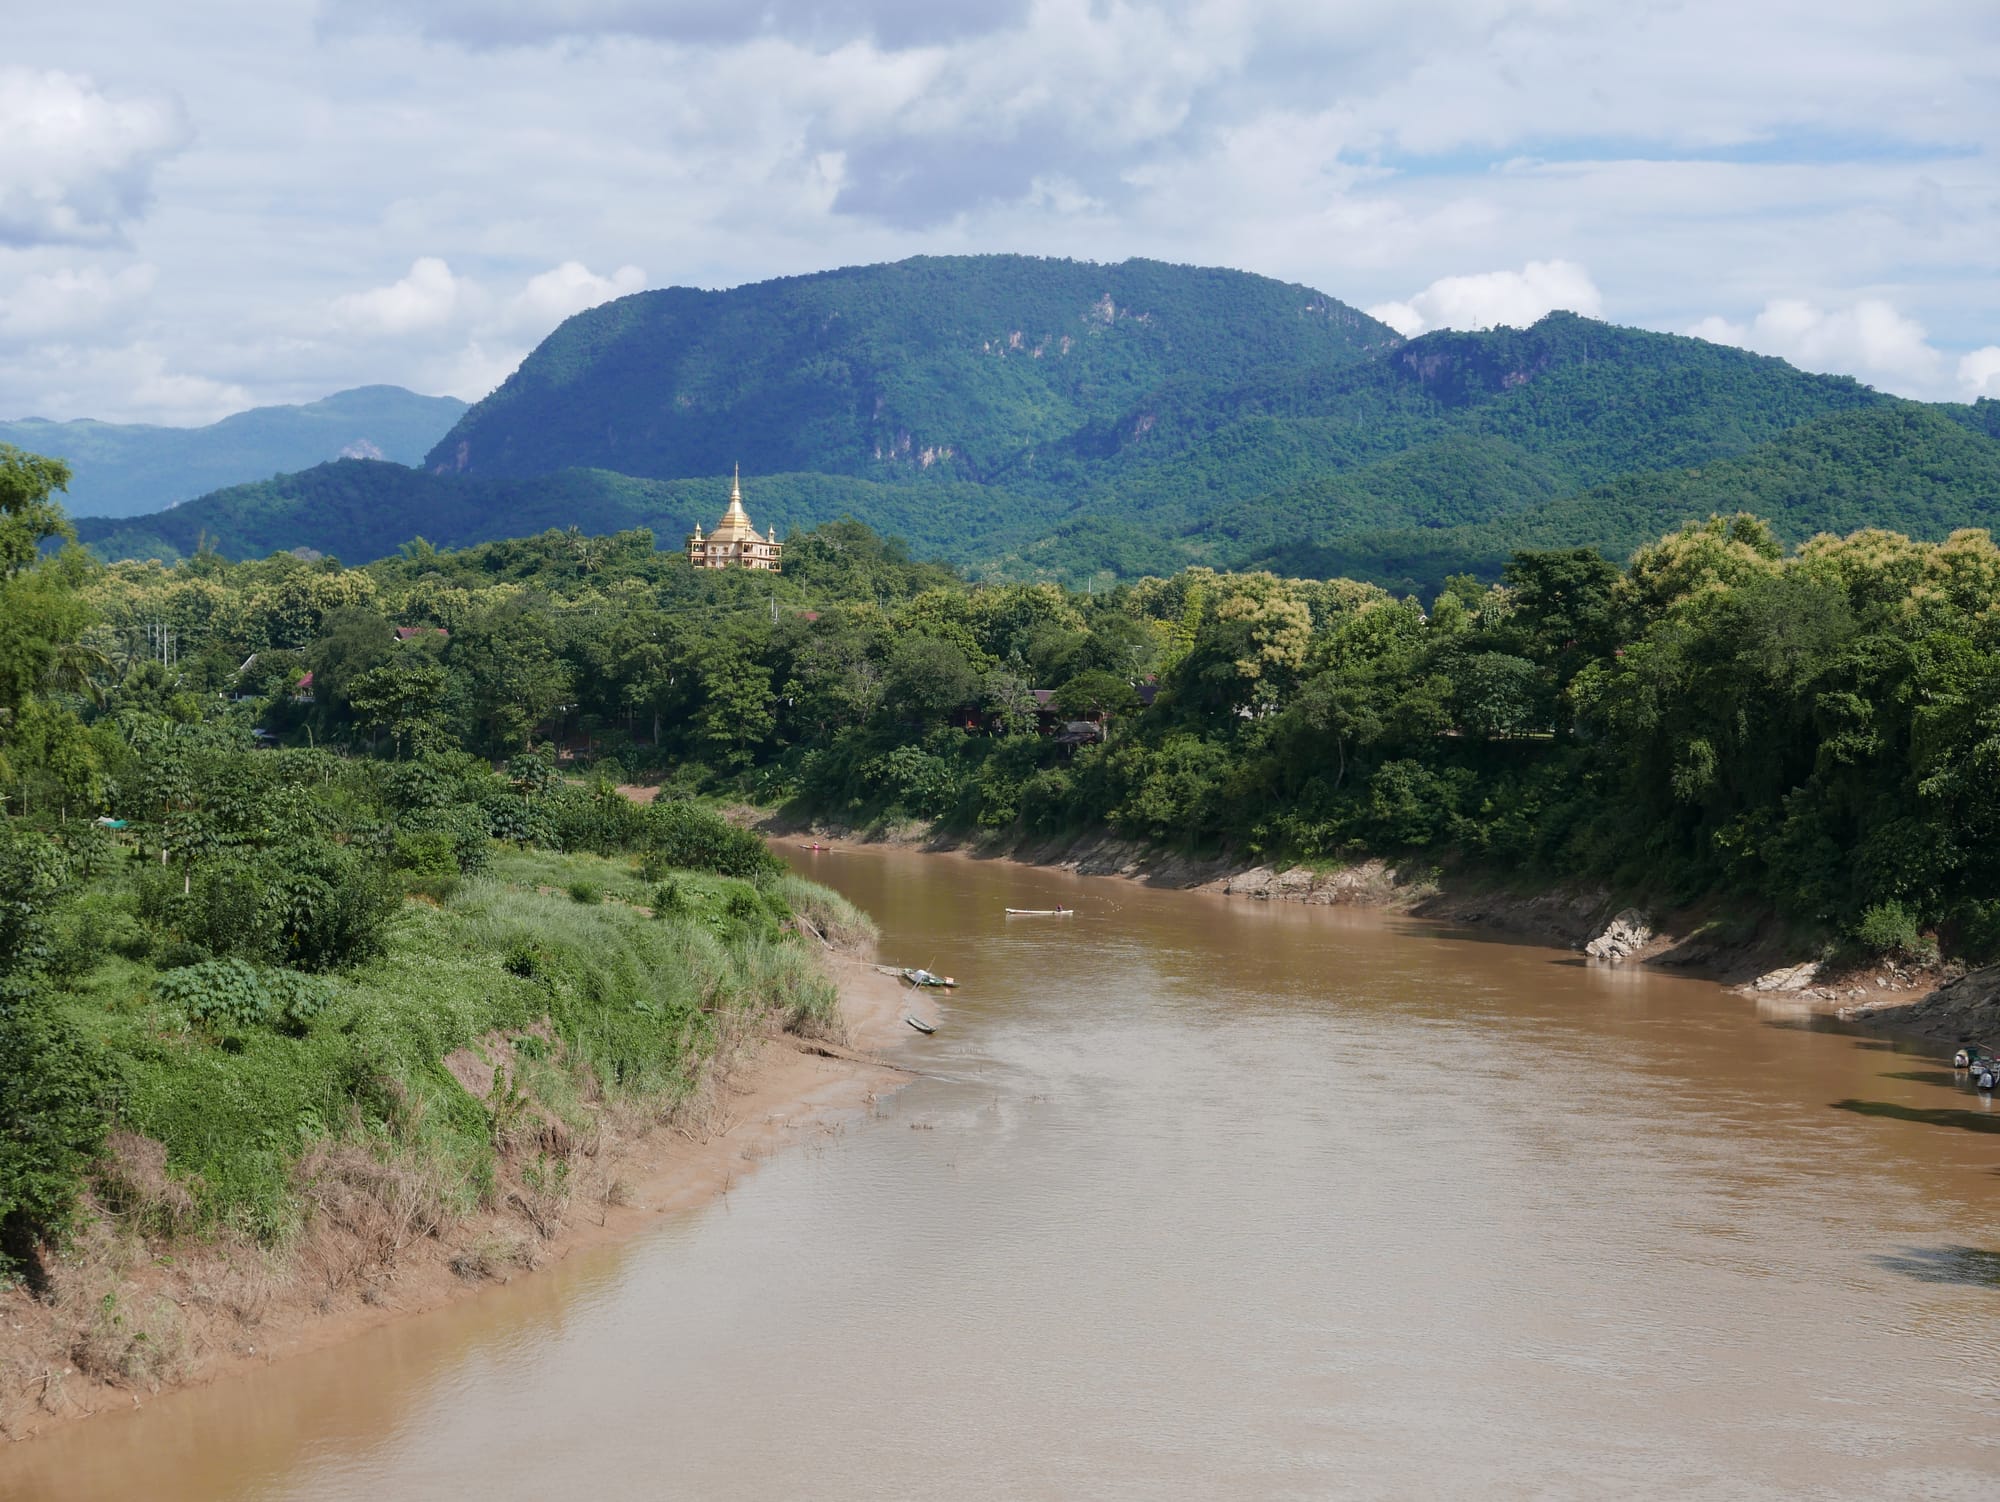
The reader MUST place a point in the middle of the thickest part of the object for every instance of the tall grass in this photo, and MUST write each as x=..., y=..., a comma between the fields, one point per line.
x=839, y=921
x=589, y=1006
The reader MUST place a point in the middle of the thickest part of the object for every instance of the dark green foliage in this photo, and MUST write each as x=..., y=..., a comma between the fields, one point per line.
x=1262, y=442
x=312, y=904
x=33, y=873
x=955, y=364
x=585, y=892
x=53, y=1104
x=1204, y=417
x=1898, y=466
x=680, y=836
x=330, y=905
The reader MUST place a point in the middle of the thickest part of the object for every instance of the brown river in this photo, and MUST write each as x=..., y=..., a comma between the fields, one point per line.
x=1209, y=1198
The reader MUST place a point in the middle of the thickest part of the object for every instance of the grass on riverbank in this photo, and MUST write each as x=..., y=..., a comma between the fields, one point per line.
x=584, y=1004
x=449, y=1105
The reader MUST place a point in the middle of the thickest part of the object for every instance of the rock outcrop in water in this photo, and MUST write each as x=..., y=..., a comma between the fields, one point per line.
x=1624, y=936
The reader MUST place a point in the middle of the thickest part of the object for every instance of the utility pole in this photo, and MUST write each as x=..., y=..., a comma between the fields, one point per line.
x=163, y=642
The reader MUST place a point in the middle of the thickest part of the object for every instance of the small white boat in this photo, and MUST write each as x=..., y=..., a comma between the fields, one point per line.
x=1041, y=912
x=920, y=1025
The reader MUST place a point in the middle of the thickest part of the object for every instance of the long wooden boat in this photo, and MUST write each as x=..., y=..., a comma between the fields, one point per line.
x=920, y=978
x=1041, y=912
x=920, y=1025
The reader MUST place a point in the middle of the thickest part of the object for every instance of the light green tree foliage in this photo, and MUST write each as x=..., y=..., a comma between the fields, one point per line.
x=1720, y=553
x=407, y=698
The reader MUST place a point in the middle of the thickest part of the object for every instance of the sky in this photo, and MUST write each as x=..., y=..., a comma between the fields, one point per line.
x=228, y=203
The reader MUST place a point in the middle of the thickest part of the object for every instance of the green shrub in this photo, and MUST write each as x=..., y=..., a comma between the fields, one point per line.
x=1888, y=928
x=230, y=993
x=682, y=837
x=588, y=893
x=669, y=899
x=332, y=906
x=428, y=852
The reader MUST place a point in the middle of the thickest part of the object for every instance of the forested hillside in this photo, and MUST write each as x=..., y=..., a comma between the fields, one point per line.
x=356, y=510
x=1035, y=419
x=128, y=469
x=946, y=365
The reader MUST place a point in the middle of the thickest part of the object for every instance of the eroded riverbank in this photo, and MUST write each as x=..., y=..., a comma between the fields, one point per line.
x=133, y=1317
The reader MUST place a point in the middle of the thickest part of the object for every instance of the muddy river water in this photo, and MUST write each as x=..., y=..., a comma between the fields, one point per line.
x=1213, y=1198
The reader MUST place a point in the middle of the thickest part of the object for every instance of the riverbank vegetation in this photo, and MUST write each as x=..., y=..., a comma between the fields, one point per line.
x=1809, y=732
x=316, y=1004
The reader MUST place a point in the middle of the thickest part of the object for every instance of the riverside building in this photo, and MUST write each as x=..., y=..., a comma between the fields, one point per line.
x=734, y=543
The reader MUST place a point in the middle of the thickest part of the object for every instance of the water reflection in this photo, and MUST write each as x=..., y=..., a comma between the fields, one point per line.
x=1945, y=1264
x=1982, y=1119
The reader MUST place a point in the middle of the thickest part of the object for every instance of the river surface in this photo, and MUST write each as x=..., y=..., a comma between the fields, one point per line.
x=1209, y=1198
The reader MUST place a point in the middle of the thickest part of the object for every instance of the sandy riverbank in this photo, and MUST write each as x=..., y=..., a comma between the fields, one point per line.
x=213, y=1313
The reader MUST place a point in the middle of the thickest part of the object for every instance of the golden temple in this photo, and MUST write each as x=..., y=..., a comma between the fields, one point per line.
x=734, y=543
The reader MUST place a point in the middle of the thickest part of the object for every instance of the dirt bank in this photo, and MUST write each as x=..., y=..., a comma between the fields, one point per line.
x=1716, y=940
x=126, y=1317
x=1966, y=1009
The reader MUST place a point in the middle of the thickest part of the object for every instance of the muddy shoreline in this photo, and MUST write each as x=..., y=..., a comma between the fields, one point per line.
x=1710, y=941
x=220, y=1311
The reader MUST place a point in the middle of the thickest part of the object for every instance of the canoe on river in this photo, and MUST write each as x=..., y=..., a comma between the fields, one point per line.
x=925, y=978
x=920, y=1025
x=1041, y=912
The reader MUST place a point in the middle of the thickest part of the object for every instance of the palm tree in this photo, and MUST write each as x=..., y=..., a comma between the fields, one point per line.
x=76, y=668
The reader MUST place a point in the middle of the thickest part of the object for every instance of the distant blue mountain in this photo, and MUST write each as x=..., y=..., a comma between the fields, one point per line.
x=129, y=469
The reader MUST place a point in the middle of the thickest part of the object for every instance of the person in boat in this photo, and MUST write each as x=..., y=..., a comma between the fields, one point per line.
x=1059, y=907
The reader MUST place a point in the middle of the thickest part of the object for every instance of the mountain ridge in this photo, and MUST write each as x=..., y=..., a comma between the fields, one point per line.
x=131, y=469
x=1204, y=416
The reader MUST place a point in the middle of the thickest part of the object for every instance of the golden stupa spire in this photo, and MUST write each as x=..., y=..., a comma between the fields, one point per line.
x=735, y=524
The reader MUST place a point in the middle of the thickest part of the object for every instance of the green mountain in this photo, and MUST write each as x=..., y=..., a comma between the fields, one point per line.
x=954, y=366
x=1033, y=418
x=128, y=469
x=1446, y=430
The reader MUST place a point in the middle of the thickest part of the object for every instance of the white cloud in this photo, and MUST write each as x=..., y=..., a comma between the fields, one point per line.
x=70, y=301
x=479, y=23
x=1492, y=298
x=1699, y=156
x=1869, y=338
x=464, y=334
x=66, y=377
x=426, y=299
x=1979, y=372
x=76, y=164
x=473, y=371
x=568, y=289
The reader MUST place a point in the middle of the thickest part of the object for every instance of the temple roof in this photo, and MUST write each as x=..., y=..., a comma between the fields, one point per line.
x=735, y=524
